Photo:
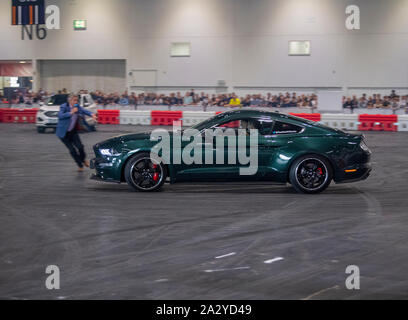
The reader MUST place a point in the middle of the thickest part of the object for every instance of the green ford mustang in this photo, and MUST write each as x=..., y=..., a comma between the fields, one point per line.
x=244, y=145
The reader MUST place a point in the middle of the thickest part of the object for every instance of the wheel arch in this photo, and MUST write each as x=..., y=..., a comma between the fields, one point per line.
x=131, y=156
x=309, y=153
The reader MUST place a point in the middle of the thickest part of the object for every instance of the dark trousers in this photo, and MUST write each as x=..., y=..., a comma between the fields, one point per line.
x=75, y=147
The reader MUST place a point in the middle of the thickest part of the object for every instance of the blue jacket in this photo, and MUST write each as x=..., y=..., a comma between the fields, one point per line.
x=64, y=118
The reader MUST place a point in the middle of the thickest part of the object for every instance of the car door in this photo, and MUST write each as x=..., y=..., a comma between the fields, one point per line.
x=237, y=162
x=267, y=147
x=274, y=137
x=218, y=154
x=275, y=150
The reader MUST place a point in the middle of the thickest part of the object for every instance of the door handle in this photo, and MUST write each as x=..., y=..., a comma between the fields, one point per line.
x=268, y=146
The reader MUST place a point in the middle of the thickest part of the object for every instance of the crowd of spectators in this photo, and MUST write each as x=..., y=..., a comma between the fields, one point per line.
x=229, y=99
x=392, y=101
x=189, y=98
x=203, y=99
x=28, y=97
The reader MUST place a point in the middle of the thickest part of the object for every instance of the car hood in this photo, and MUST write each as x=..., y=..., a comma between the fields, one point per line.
x=139, y=136
x=133, y=136
x=125, y=138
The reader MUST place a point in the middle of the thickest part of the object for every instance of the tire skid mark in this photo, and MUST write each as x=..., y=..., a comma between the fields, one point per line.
x=37, y=251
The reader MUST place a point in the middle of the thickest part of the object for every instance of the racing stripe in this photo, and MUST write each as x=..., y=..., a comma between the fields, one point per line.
x=31, y=15
x=36, y=14
x=20, y=15
x=14, y=15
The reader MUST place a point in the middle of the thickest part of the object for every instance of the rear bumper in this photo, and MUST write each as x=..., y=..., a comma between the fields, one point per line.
x=362, y=172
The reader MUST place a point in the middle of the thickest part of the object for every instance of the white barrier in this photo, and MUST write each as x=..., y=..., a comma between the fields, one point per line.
x=341, y=121
x=142, y=117
x=191, y=118
x=403, y=123
x=335, y=120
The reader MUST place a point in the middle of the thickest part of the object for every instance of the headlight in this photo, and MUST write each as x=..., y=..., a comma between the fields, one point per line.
x=109, y=152
x=364, y=146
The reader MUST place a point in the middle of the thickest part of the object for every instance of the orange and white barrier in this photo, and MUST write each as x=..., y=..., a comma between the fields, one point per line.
x=403, y=123
x=137, y=117
x=191, y=118
x=358, y=122
x=341, y=121
x=18, y=115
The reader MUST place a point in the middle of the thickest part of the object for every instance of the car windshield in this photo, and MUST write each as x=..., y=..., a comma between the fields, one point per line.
x=57, y=100
x=208, y=122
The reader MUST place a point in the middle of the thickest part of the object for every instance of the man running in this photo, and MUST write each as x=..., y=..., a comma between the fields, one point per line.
x=67, y=129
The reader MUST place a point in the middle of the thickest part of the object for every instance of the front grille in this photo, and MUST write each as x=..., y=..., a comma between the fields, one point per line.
x=51, y=114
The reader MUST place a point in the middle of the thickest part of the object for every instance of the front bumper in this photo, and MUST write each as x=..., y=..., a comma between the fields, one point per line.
x=46, y=124
x=44, y=121
x=104, y=170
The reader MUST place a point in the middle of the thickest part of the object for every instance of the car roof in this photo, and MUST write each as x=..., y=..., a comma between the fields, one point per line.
x=278, y=116
x=257, y=113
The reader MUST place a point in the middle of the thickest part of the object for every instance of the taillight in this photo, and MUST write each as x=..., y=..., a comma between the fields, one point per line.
x=364, y=146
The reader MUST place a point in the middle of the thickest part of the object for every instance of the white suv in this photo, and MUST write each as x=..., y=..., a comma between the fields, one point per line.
x=47, y=115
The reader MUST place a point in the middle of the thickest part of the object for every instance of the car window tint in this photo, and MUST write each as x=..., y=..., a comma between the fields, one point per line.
x=285, y=128
x=231, y=124
x=263, y=125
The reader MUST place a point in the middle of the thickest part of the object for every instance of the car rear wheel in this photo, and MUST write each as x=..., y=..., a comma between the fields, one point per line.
x=144, y=173
x=310, y=174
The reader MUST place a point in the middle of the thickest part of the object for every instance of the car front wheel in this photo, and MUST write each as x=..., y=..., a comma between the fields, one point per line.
x=310, y=174
x=144, y=173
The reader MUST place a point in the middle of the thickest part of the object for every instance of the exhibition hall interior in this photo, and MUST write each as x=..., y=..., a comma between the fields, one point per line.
x=226, y=150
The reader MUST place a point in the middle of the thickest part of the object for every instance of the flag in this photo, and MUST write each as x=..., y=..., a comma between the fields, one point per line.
x=26, y=12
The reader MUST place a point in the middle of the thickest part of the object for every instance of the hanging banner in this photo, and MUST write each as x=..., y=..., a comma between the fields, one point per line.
x=16, y=70
x=27, y=12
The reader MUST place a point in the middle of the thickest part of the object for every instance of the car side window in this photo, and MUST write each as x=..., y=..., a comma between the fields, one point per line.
x=263, y=125
x=285, y=128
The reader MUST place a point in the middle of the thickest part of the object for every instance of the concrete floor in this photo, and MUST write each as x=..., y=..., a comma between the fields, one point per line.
x=110, y=242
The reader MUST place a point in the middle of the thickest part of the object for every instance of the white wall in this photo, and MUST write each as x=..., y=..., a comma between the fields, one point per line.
x=105, y=75
x=243, y=42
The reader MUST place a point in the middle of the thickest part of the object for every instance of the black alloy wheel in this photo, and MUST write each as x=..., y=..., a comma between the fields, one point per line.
x=310, y=174
x=144, y=173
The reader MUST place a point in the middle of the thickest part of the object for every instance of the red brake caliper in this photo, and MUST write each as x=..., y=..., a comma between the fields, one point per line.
x=156, y=174
x=320, y=170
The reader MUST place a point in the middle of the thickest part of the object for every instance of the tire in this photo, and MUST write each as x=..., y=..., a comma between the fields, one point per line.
x=40, y=130
x=310, y=174
x=145, y=174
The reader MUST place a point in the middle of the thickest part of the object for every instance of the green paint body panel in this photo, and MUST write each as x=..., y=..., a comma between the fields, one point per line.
x=275, y=156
